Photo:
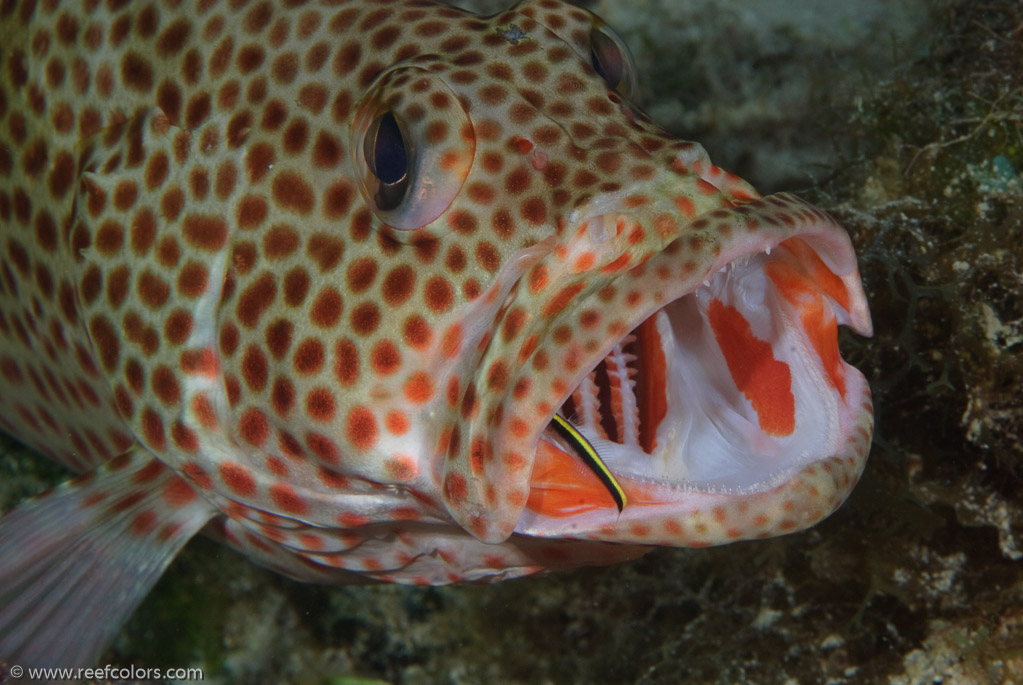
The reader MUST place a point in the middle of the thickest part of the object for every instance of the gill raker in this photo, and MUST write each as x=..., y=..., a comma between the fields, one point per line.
x=316, y=277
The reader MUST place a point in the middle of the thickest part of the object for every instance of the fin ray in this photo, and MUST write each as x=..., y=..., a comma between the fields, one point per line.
x=75, y=562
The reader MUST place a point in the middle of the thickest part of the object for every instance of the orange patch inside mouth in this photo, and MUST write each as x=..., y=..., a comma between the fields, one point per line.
x=562, y=485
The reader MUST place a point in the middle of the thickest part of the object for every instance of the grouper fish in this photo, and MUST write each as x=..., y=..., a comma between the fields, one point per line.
x=315, y=278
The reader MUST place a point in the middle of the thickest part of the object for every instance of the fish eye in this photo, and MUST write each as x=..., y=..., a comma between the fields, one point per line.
x=411, y=161
x=611, y=59
x=387, y=157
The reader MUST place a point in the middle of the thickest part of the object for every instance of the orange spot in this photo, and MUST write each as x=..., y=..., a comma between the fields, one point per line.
x=143, y=523
x=454, y=161
x=362, y=428
x=515, y=461
x=148, y=472
x=640, y=530
x=479, y=526
x=455, y=487
x=518, y=427
x=312, y=542
x=452, y=341
x=419, y=388
x=405, y=514
x=204, y=412
x=562, y=299
x=402, y=468
x=765, y=381
x=527, y=347
x=477, y=455
x=584, y=262
x=397, y=422
x=238, y=479
x=494, y=561
x=352, y=520
x=525, y=146
x=686, y=207
x=517, y=498
x=617, y=265
x=197, y=475
x=200, y=362
x=705, y=188
x=178, y=493
x=285, y=497
x=538, y=278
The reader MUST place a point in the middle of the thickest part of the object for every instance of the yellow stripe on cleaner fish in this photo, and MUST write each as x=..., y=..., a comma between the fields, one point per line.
x=590, y=457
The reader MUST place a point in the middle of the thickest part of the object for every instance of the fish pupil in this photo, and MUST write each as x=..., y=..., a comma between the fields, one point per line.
x=387, y=158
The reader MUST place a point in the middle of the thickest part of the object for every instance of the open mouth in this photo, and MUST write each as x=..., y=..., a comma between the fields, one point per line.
x=731, y=388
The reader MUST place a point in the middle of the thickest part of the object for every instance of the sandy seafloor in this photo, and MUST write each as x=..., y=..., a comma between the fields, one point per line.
x=904, y=119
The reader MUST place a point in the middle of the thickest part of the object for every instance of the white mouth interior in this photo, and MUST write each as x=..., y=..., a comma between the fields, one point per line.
x=714, y=436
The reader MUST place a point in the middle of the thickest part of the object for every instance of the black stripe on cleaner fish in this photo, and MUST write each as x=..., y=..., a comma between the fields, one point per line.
x=588, y=453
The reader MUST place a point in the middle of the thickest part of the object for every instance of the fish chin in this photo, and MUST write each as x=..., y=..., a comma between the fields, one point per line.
x=727, y=392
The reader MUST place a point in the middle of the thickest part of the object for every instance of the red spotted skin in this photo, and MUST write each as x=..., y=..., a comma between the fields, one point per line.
x=191, y=264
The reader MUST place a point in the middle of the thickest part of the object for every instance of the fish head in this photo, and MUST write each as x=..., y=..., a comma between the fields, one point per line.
x=609, y=272
x=495, y=234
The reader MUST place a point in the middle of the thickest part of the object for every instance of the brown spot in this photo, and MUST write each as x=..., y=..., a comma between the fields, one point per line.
x=325, y=250
x=250, y=58
x=285, y=68
x=173, y=38
x=385, y=357
x=362, y=428
x=143, y=231
x=168, y=99
x=361, y=274
x=365, y=318
x=439, y=294
x=62, y=174
x=278, y=338
x=292, y=193
x=346, y=362
x=280, y=241
x=224, y=185
x=327, y=308
x=153, y=290
x=192, y=279
x=296, y=286
x=309, y=356
x=256, y=299
x=106, y=342
x=295, y=136
x=136, y=74
x=205, y=232
x=198, y=110
x=254, y=368
x=326, y=151
x=313, y=96
x=347, y=58
x=398, y=285
x=252, y=211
